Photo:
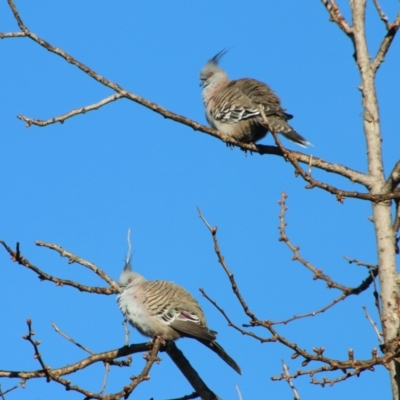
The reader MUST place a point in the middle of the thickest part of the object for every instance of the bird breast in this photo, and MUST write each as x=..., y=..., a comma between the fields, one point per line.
x=131, y=304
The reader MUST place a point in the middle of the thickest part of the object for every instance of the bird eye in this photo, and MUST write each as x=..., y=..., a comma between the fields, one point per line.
x=129, y=280
x=210, y=74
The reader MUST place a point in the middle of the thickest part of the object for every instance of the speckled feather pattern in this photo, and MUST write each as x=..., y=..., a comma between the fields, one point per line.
x=160, y=308
x=236, y=107
x=165, y=309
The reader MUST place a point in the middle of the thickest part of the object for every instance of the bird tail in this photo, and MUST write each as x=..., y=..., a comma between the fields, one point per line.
x=216, y=348
x=280, y=126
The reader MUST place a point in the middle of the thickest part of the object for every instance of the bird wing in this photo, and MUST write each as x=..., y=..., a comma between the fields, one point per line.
x=189, y=325
x=231, y=105
x=242, y=99
x=175, y=307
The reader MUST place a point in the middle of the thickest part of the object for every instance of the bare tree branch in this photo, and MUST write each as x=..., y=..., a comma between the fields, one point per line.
x=43, y=276
x=10, y=35
x=73, y=258
x=337, y=17
x=360, y=263
x=107, y=357
x=386, y=240
x=380, y=193
x=289, y=381
x=382, y=15
x=394, y=179
x=354, y=176
x=2, y=394
x=192, y=396
x=69, y=369
x=386, y=42
x=378, y=334
x=340, y=194
x=107, y=369
x=233, y=325
x=318, y=273
x=64, y=117
x=190, y=374
x=313, y=313
x=221, y=260
x=356, y=366
x=58, y=330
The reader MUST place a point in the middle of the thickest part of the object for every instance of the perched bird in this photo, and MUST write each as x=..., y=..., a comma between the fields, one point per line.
x=245, y=109
x=165, y=310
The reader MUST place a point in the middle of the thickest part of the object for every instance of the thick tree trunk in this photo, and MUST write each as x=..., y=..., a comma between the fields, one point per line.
x=382, y=215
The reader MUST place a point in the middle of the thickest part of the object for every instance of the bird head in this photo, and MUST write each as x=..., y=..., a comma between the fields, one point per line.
x=128, y=277
x=211, y=72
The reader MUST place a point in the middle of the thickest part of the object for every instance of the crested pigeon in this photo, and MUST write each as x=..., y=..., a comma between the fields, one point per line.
x=245, y=109
x=165, y=310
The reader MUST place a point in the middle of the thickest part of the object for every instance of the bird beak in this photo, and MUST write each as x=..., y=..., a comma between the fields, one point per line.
x=202, y=82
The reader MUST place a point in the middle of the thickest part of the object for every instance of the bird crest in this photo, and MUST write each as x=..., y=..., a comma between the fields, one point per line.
x=217, y=58
x=211, y=66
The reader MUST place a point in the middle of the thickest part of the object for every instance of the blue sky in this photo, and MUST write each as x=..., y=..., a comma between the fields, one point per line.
x=82, y=184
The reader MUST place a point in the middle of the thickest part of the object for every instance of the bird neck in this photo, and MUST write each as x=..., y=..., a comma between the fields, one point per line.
x=214, y=87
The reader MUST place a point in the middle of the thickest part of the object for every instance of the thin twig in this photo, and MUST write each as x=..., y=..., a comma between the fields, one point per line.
x=58, y=330
x=70, y=114
x=356, y=366
x=382, y=15
x=233, y=325
x=43, y=276
x=37, y=354
x=313, y=313
x=336, y=16
x=107, y=357
x=73, y=258
x=340, y=194
x=10, y=35
x=221, y=260
x=7, y=391
x=385, y=45
x=361, y=263
x=127, y=333
x=289, y=381
x=238, y=392
x=378, y=334
x=103, y=387
x=71, y=368
x=318, y=273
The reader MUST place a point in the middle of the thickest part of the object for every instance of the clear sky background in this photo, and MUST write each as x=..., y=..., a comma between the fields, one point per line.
x=82, y=184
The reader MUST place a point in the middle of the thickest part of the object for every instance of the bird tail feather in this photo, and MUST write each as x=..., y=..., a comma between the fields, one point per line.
x=278, y=125
x=296, y=138
x=216, y=348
